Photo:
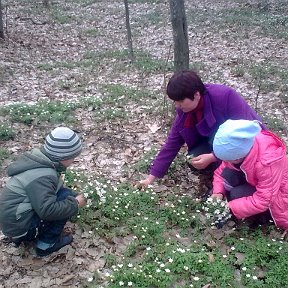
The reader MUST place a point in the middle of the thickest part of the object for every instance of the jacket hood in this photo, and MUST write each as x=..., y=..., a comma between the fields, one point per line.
x=31, y=160
x=270, y=147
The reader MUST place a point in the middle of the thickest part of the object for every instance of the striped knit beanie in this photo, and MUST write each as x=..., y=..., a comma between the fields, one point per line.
x=62, y=143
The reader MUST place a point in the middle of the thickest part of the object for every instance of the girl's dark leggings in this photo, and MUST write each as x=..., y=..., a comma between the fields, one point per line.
x=238, y=187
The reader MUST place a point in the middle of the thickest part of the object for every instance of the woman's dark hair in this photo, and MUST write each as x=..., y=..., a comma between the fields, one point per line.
x=183, y=85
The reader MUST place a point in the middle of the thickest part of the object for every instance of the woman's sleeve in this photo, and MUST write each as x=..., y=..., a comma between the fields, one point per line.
x=168, y=151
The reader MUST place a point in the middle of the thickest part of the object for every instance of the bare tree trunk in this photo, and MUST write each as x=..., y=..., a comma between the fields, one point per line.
x=129, y=34
x=46, y=3
x=1, y=22
x=180, y=35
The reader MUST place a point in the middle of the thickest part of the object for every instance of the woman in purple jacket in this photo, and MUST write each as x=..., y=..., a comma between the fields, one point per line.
x=201, y=109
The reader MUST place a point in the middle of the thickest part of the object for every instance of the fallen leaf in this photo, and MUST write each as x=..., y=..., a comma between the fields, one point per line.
x=154, y=127
x=240, y=258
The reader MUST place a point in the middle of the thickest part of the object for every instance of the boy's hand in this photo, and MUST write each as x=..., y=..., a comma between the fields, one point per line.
x=81, y=200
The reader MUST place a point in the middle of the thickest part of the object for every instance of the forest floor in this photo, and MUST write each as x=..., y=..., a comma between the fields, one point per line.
x=68, y=65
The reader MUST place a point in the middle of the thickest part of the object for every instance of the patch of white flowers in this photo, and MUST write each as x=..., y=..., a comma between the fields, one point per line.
x=216, y=211
x=91, y=188
x=99, y=189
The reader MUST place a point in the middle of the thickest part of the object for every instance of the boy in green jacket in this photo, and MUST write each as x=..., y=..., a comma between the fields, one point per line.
x=34, y=203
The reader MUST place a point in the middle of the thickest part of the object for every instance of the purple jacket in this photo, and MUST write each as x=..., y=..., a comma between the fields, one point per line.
x=220, y=104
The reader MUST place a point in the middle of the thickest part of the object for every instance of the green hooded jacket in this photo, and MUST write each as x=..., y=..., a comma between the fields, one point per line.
x=32, y=188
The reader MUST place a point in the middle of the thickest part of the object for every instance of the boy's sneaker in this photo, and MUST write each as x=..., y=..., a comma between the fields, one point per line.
x=62, y=241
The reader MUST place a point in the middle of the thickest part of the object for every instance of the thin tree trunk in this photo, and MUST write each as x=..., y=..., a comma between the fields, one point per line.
x=1, y=22
x=180, y=34
x=46, y=3
x=129, y=34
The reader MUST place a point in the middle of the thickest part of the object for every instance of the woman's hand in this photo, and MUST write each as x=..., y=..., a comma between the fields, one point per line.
x=202, y=161
x=146, y=182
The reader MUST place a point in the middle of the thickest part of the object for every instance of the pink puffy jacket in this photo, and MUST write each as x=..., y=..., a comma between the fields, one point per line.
x=266, y=168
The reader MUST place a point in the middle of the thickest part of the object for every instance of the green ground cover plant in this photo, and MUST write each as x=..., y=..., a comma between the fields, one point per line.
x=268, y=77
x=6, y=132
x=61, y=15
x=165, y=249
x=144, y=61
x=43, y=111
x=168, y=239
x=4, y=154
x=125, y=97
x=5, y=73
x=275, y=125
x=144, y=163
x=268, y=22
x=265, y=20
x=63, y=112
x=85, y=63
x=93, y=32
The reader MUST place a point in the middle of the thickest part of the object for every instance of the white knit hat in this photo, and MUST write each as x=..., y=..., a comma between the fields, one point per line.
x=235, y=138
x=62, y=143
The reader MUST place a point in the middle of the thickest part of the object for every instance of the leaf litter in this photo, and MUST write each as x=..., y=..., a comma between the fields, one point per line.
x=110, y=150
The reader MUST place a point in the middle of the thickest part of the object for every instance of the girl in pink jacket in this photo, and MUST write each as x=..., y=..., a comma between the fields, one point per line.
x=253, y=175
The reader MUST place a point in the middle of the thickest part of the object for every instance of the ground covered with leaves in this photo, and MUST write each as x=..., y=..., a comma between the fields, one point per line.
x=67, y=64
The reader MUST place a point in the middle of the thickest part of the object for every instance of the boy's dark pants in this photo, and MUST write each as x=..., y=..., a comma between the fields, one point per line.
x=47, y=231
x=238, y=187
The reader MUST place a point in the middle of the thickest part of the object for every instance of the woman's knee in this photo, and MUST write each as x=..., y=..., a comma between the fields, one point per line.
x=202, y=148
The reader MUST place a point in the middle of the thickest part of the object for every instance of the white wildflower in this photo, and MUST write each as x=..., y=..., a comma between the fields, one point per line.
x=196, y=278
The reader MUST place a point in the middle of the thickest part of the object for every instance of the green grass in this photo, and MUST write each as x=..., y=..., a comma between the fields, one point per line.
x=127, y=94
